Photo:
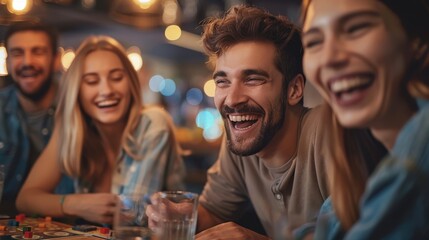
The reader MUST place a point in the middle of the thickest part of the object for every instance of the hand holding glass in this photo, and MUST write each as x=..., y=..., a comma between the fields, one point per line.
x=174, y=215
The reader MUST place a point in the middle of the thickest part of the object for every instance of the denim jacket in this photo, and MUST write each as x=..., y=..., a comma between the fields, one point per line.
x=395, y=204
x=15, y=148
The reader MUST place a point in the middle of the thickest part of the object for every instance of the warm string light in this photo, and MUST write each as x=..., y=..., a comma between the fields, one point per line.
x=19, y=7
x=3, y=56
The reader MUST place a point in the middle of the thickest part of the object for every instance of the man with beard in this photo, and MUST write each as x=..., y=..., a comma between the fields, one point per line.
x=270, y=156
x=27, y=107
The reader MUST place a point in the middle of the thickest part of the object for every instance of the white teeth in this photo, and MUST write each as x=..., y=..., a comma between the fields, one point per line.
x=242, y=118
x=346, y=84
x=105, y=103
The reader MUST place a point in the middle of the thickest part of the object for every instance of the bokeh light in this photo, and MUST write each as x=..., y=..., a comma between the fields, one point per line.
x=173, y=32
x=156, y=83
x=194, y=96
x=67, y=58
x=210, y=121
x=169, y=88
x=210, y=88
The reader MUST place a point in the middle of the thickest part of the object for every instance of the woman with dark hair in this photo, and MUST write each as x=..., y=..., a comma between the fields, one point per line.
x=369, y=59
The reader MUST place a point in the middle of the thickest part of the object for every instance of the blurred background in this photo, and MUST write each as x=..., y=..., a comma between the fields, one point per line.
x=162, y=40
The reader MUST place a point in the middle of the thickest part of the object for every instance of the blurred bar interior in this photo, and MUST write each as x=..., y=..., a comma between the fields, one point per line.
x=162, y=40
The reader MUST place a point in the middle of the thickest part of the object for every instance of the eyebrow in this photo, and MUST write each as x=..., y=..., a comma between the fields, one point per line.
x=345, y=18
x=219, y=74
x=245, y=72
x=116, y=70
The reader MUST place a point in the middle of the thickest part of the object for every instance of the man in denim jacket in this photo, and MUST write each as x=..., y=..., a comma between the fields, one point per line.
x=27, y=106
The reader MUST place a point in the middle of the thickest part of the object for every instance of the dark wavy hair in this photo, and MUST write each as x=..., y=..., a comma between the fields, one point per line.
x=248, y=23
x=34, y=26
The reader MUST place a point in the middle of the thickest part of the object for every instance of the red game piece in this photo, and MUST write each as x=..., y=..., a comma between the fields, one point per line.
x=104, y=230
x=28, y=234
x=2, y=228
x=20, y=217
x=42, y=225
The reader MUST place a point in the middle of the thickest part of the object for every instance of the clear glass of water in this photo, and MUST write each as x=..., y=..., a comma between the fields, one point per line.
x=178, y=215
x=130, y=220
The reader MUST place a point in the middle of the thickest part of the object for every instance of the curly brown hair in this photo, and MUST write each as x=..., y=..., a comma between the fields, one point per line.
x=248, y=23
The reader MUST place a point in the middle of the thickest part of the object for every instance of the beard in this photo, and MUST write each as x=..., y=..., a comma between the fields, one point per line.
x=40, y=92
x=266, y=133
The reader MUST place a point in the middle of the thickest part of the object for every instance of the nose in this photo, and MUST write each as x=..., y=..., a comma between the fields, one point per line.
x=236, y=94
x=105, y=87
x=334, y=52
x=28, y=58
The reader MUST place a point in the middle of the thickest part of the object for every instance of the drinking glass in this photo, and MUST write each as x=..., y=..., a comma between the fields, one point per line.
x=178, y=215
x=130, y=220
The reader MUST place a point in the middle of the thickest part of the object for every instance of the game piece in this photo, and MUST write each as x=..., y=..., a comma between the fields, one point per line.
x=48, y=219
x=28, y=235
x=104, y=230
x=20, y=217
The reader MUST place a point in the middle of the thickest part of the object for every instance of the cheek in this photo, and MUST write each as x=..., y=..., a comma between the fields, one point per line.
x=218, y=98
x=85, y=99
x=308, y=64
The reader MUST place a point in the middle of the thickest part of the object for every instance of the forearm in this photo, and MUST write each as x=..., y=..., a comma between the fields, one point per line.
x=206, y=219
x=35, y=201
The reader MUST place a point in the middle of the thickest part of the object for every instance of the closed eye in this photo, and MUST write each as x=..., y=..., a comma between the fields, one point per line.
x=357, y=29
x=221, y=82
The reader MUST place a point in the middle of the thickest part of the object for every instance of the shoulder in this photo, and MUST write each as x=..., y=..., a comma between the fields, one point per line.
x=7, y=96
x=312, y=117
x=155, y=114
x=310, y=126
x=6, y=92
x=154, y=119
x=414, y=136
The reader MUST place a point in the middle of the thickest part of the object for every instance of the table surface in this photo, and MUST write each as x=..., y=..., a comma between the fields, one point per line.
x=45, y=228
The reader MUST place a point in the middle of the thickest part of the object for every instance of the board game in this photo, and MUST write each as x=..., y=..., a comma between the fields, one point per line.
x=44, y=228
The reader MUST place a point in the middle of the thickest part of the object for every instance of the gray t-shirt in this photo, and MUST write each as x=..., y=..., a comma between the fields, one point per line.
x=299, y=186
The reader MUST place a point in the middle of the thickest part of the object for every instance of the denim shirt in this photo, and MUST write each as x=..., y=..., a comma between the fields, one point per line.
x=15, y=148
x=395, y=204
x=158, y=165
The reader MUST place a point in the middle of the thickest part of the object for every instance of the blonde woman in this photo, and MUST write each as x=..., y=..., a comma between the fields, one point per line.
x=103, y=138
x=370, y=61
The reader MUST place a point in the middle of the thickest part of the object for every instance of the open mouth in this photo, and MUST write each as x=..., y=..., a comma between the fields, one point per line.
x=28, y=73
x=243, y=122
x=350, y=85
x=108, y=103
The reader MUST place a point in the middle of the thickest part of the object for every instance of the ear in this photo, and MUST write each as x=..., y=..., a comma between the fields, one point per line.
x=295, y=90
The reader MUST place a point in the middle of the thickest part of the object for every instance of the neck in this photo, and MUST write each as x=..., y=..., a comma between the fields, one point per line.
x=284, y=144
x=111, y=137
x=29, y=105
x=388, y=131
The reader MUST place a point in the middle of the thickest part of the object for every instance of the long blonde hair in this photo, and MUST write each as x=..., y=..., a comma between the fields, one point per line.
x=80, y=152
x=351, y=158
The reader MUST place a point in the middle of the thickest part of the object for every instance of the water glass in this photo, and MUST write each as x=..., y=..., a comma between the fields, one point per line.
x=130, y=220
x=178, y=215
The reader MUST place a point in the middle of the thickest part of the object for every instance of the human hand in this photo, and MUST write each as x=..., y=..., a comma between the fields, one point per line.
x=93, y=207
x=229, y=230
x=162, y=208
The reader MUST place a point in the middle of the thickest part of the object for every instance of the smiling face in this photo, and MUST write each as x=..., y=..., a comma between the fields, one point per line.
x=104, y=92
x=249, y=95
x=31, y=63
x=356, y=54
